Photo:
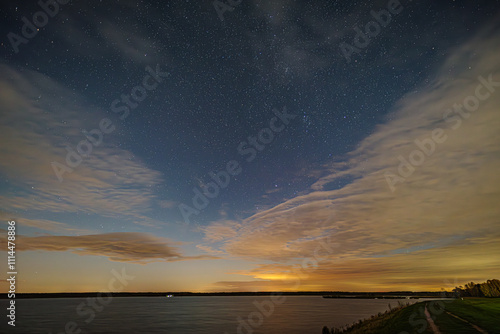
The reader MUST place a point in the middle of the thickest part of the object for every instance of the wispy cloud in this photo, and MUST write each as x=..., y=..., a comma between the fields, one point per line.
x=90, y=31
x=50, y=225
x=168, y=204
x=453, y=195
x=429, y=269
x=221, y=230
x=40, y=118
x=138, y=248
x=304, y=40
x=209, y=250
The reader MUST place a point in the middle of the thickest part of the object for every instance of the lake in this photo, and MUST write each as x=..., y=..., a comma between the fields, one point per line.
x=207, y=315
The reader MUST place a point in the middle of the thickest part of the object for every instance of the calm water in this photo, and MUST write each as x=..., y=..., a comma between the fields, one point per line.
x=207, y=315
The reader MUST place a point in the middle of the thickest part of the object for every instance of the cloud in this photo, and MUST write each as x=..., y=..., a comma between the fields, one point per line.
x=423, y=270
x=50, y=225
x=140, y=248
x=40, y=119
x=92, y=32
x=451, y=196
x=298, y=39
x=237, y=286
x=209, y=250
x=220, y=231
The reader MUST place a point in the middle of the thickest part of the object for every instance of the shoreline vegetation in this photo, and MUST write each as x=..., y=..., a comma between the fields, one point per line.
x=381, y=320
x=474, y=308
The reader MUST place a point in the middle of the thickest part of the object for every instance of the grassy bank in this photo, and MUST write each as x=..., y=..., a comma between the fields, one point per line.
x=482, y=312
x=398, y=320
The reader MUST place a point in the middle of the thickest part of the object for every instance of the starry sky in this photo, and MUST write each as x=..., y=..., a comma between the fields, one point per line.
x=267, y=145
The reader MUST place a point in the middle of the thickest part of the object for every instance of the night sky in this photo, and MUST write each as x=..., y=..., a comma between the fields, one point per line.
x=227, y=149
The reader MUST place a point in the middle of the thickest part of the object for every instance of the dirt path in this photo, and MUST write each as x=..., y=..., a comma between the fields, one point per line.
x=434, y=328
x=480, y=330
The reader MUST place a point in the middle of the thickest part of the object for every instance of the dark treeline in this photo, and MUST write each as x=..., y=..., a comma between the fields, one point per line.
x=490, y=288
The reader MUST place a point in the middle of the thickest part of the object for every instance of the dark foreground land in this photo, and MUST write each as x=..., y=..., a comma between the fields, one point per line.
x=471, y=315
x=325, y=294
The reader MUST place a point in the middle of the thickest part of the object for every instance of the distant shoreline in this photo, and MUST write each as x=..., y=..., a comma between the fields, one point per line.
x=325, y=294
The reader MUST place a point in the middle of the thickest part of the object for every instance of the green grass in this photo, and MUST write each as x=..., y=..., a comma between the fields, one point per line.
x=448, y=324
x=483, y=312
x=410, y=319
